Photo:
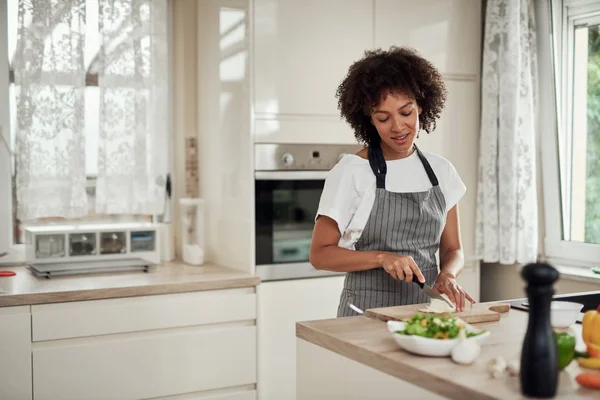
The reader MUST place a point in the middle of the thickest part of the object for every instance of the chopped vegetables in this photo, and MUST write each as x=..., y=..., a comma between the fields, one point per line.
x=435, y=327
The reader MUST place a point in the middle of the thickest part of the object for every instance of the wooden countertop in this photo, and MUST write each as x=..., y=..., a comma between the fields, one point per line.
x=367, y=341
x=26, y=289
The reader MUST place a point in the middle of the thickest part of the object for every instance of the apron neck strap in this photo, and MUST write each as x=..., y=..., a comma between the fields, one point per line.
x=379, y=166
x=430, y=174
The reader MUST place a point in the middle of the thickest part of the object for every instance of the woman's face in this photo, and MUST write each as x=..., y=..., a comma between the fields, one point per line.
x=396, y=119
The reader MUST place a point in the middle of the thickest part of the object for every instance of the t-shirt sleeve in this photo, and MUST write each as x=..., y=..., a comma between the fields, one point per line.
x=453, y=186
x=338, y=199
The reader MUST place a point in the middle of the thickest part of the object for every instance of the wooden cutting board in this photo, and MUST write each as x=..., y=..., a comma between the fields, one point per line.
x=484, y=312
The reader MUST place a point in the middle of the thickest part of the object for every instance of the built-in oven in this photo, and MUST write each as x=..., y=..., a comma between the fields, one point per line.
x=289, y=179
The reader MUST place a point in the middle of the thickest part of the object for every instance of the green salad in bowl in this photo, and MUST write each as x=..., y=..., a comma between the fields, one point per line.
x=435, y=327
x=433, y=335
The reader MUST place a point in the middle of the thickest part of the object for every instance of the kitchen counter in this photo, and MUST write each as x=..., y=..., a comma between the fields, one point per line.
x=369, y=349
x=26, y=289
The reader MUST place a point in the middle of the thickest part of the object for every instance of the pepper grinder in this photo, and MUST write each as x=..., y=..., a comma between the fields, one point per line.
x=539, y=362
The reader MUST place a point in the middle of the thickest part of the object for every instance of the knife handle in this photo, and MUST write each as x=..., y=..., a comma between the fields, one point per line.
x=419, y=283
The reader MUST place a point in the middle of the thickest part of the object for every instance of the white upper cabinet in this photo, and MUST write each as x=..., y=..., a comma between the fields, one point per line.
x=446, y=32
x=302, y=51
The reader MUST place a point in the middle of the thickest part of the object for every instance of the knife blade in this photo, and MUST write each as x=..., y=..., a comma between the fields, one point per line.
x=433, y=294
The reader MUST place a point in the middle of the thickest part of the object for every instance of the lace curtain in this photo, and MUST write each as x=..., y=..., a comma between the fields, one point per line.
x=50, y=81
x=506, y=229
x=49, y=77
x=132, y=78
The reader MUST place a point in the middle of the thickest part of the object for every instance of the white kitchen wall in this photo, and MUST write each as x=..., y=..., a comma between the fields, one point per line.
x=502, y=282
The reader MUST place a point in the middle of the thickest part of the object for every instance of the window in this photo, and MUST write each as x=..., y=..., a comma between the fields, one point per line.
x=95, y=47
x=571, y=174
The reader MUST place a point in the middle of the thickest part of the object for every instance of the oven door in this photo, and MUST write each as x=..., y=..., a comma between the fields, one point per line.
x=286, y=204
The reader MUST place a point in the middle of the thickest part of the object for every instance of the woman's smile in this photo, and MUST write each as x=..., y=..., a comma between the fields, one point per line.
x=400, y=139
x=396, y=119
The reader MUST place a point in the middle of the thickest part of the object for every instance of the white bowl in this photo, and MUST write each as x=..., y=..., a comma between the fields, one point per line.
x=564, y=313
x=430, y=347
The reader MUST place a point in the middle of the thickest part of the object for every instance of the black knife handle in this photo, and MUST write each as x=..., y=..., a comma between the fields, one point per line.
x=419, y=283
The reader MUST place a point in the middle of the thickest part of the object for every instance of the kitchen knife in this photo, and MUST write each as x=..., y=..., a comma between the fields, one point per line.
x=432, y=293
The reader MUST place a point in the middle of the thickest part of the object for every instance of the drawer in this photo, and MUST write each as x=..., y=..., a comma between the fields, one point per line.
x=146, y=364
x=102, y=317
x=227, y=394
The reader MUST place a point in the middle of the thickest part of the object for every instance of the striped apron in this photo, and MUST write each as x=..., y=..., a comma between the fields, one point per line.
x=401, y=223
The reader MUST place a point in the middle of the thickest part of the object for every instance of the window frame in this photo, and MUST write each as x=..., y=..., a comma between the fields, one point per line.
x=16, y=252
x=555, y=98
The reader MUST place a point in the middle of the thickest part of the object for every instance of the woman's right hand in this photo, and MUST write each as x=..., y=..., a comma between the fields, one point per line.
x=401, y=267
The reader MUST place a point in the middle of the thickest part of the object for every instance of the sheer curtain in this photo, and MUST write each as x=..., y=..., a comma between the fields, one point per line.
x=132, y=72
x=506, y=198
x=49, y=77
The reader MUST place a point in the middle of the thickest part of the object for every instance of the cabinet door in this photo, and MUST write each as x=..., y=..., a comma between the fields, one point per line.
x=446, y=32
x=15, y=353
x=302, y=51
x=227, y=394
x=280, y=306
x=145, y=364
x=143, y=313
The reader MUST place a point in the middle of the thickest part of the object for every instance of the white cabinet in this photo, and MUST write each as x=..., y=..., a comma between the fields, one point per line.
x=446, y=32
x=218, y=395
x=145, y=365
x=280, y=305
x=202, y=344
x=302, y=51
x=15, y=353
x=102, y=317
x=326, y=375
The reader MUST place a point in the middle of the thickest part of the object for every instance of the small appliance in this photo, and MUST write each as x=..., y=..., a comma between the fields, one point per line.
x=70, y=249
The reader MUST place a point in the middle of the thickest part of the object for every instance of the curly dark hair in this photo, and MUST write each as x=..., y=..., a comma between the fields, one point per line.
x=380, y=72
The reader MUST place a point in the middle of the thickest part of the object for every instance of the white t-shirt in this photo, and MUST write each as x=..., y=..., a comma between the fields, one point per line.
x=349, y=191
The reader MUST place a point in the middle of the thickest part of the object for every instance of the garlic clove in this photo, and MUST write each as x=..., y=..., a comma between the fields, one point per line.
x=497, y=367
x=514, y=367
x=465, y=351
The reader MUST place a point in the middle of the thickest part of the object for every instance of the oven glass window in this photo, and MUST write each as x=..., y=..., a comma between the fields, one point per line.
x=285, y=214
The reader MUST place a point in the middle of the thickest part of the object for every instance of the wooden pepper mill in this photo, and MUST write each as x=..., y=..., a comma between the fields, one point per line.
x=539, y=361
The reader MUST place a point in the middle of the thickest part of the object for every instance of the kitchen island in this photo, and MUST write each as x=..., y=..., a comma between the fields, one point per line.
x=357, y=358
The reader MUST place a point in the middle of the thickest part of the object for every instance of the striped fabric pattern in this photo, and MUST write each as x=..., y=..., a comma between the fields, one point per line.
x=401, y=223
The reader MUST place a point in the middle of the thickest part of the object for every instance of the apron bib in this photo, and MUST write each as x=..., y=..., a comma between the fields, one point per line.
x=401, y=223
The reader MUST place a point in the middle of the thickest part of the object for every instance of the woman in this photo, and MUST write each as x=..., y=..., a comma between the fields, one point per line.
x=386, y=211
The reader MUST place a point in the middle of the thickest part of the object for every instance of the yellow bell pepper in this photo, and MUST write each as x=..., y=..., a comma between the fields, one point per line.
x=591, y=331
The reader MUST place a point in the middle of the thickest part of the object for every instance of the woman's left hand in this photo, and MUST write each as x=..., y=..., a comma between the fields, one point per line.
x=446, y=284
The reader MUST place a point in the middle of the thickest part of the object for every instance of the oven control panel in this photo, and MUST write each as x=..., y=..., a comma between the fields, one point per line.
x=282, y=156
